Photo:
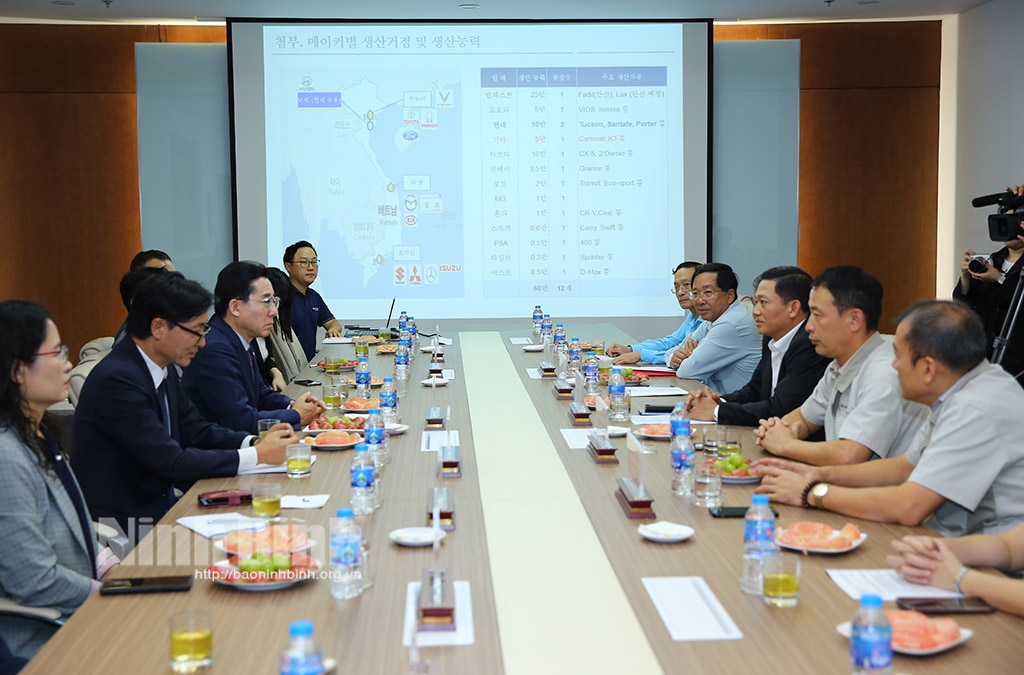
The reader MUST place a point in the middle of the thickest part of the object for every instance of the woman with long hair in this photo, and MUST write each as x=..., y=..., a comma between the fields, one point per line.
x=50, y=559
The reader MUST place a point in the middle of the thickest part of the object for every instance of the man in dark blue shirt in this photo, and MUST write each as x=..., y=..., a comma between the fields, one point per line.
x=309, y=311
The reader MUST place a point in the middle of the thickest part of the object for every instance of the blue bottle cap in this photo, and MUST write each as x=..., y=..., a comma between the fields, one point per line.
x=869, y=600
x=759, y=500
x=374, y=411
x=301, y=629
x=388, y=379
x=345, y=513
x=362, y=359
x=362, y=447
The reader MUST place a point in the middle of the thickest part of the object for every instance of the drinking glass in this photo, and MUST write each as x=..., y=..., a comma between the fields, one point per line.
x=332, y=395
x=781, y=580
x=332, y=364
x=266, y=500
x=362, y=344
x=299, y=461
x=728, y=441
x=191, y=640
x=263, y=426
x=711, y=441
x=707, y=484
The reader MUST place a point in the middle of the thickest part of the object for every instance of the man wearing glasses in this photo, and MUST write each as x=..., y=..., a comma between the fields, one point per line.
x=653, y=350
x=309, y=311
x=224, y=381
x=724, y=351
x=136, y=434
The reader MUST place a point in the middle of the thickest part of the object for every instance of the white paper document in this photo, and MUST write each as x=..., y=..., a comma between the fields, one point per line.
x=432, y=441
x=304, y=501
x=652, y=369
x=463, y=633
x=690, y=609
x=448, y=374
x=576, y=439
x=885, y=583
x=338, y=341
x=647, y=392
x=520, y=341
x=272, y=468
x=649, y=419
x=534, y=373
x=216, y=525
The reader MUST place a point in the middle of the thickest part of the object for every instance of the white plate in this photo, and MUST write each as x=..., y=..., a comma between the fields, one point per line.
x=432, y=381
x=827, y=551
x=965, y=635
x=665, y=532
x=533, y=348
x=616, y=432
x=344, y=446
x=415, y=536
x=653, y=437
x=741, y=480
x=427, y=349
x=395, y=429
x=219, y=545
x=259, y=587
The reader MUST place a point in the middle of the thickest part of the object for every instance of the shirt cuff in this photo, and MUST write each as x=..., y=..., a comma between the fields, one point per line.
x=248, y=458
x=716, y=413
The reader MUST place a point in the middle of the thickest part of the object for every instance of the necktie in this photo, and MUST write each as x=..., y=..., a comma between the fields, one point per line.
x=161, y=392
x=252, y=367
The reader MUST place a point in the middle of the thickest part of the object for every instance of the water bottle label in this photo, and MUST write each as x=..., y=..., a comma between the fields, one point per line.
x=871, y=648
x=688, y=459
x=402, y=324
x=388, y=399
x=590, y=372
x=616, y=390
x=407, y=343
x=363, y=378
x=677, y=460
x=345, y=548
x=401, y=359
x=362, y=475
x=302, y=664
x=758, y=531
x=679, y=427
x=375, y=435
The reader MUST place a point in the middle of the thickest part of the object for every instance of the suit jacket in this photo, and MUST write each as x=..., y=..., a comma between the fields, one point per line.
x=221, y=383
x=125, y=460
x=799, y=372
x=47, y=562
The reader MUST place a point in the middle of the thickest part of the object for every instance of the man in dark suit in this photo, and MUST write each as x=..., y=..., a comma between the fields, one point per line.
x=224, y=381
x=789, y=366
x=136, y=434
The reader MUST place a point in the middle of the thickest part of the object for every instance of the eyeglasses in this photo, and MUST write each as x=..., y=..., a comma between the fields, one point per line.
x=677, y=289
x=307, y=264
x=266, y=302
x=706, y=294
x=62, y=351
x=199, y=335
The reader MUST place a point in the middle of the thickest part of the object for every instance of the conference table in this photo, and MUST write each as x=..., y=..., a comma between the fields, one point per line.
x=555, y=569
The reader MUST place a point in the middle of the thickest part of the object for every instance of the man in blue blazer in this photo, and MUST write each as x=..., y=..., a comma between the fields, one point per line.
x=136, y=435
x=224, y=380
x=789, y=367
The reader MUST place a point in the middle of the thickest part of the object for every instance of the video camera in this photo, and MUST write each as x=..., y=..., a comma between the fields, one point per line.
x=1005, y=225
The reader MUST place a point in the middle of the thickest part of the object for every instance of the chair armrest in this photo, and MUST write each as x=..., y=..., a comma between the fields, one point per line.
x=43, y=614
x=110, y=536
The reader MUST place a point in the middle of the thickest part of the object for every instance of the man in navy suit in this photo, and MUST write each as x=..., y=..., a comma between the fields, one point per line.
x=789, y=367
x=224, y=381
x=136, y=435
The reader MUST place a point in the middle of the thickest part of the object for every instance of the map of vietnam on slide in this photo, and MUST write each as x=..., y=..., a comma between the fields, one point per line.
x=371, y=174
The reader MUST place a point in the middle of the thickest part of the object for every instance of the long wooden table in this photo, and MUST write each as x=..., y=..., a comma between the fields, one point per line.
x=554, y=566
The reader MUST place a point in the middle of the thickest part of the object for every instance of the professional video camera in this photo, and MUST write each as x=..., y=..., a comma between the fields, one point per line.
x=1005, y=225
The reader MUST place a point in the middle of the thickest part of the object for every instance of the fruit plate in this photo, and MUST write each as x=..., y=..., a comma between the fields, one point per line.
x=741, y=480
x=817, y=549
x=665, y=532
x=965, y=635
x=314, y=432
x=226, y=574
x=415, y=536
x=654, y=432
x=312, y=441
x=274, y=538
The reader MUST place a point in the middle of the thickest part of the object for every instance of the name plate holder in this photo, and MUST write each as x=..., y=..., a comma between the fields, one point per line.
x=435, y=609
x=441, y=503
x=600, y=447
x=632, y=495
x=547, y=370
x=451, y=462
x=436, y=367
x=563, y=390
x=435, y=417
x=579, y=415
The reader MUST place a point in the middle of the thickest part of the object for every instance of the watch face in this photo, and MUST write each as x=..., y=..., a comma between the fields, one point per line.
x=820, y=490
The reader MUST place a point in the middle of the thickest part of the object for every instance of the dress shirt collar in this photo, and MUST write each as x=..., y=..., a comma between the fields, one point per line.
x=846, y=372
x=156, y=372
x=782, y=344
x=245, y=345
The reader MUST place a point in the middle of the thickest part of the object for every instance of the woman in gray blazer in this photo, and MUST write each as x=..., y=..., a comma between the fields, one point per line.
x=49, y=552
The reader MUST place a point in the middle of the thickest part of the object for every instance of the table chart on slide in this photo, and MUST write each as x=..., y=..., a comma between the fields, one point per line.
x=573, y=160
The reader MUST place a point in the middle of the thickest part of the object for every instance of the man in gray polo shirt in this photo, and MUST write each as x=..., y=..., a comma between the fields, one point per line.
x=858, y=399
x=965, y=472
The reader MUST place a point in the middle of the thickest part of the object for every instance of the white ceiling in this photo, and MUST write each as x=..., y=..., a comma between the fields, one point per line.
x=179, y=11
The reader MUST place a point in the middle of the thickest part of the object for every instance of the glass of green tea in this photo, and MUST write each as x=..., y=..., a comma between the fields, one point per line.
x=191, y=640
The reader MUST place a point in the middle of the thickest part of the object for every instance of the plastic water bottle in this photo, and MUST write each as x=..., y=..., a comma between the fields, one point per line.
x=538, y=317
x=363, y=378
x=376, y=443
x=363, y=499
x=618, y=409
x=545, y=326
x=301, y=656
x=388, y=401
x=346, y=559
x=758, y=543
x=403, y=321
x=682, y=451
x=575, y=356
x=559, y=335
x=405, y=338
x=414, y=333
x=591, y=387
x=870, y=639
x=402, y=369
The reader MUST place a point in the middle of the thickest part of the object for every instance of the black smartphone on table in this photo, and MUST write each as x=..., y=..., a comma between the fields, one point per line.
x=946, y=605
x=166, y=584
x=308, y=383
x=732, y=511
x=654, y=409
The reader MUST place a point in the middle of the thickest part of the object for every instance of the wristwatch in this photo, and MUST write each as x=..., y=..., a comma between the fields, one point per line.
x=818, y=493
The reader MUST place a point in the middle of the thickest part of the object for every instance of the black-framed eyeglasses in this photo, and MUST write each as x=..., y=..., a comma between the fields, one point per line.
x=199, y=334
x=61, y=350
x=308, y=264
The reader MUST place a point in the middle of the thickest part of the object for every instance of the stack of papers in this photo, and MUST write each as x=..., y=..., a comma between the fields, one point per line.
x=218, y=524
x=886, y=584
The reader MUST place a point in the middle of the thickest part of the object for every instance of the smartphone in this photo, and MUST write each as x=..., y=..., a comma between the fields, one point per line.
x=146, y=585
x=652, y=409
x=225, y=498
x=946, y=605
x=732, y=511
x=308, y=383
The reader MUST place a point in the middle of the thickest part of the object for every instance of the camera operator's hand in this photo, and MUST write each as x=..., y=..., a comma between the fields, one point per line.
x=965, y=263
x=990, y=275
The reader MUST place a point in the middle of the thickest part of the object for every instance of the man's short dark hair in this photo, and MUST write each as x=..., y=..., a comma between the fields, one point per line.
x=131, y=281
x=236, y=281
x=791, y=283
x=143, y=257
x=168, y=296
x=725, y=278
x=688, y=264
x=289, y=253
x=946, y=330
x=853, y=288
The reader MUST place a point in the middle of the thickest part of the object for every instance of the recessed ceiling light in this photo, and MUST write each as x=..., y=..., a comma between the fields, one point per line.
x=469, y=5
x=867, y=2
x=65, y=3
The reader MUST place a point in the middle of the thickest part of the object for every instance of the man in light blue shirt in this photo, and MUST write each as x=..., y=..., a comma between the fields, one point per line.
x=726, y=348
x=653, y=351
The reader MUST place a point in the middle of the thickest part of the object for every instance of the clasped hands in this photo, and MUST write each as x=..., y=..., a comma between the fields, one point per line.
x=925, y=560
x=681, y=353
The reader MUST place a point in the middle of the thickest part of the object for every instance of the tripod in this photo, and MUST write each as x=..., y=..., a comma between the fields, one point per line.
x=1009, y=323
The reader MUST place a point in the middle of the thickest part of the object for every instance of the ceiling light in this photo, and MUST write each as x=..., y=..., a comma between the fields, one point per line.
x=469, y=5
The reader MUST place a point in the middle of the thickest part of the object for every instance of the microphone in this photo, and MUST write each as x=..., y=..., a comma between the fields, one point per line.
x=989, y=200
